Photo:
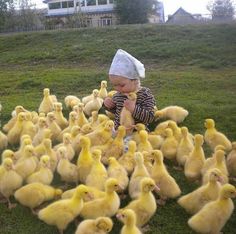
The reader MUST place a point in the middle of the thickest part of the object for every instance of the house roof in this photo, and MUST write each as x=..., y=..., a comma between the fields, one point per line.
x=180, y=11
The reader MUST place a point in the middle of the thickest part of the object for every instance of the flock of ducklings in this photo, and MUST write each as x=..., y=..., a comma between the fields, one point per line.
x=84, y=152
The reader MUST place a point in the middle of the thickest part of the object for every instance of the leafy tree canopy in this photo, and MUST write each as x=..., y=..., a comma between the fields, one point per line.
x=134, y=11
x=221, y=9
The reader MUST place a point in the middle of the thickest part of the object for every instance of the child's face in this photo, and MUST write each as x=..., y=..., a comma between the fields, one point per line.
x=123, y=85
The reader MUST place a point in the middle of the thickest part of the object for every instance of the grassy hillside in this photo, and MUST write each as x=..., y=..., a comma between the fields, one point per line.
x=190, y=66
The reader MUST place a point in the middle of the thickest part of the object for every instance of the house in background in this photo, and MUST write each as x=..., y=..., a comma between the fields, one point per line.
x=159, y=16
x=182, y=17
x=94, y=13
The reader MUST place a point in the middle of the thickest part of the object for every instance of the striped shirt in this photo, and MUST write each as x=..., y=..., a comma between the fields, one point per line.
x=143, y=111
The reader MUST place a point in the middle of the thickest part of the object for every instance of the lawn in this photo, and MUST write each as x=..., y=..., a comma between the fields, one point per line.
x=190, y=66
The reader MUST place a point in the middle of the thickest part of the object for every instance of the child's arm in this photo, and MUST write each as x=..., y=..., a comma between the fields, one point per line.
x=144, y=111
x=109, y=104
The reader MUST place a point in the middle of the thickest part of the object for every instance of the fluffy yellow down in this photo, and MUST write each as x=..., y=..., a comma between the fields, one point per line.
x=195, y=200
x=61, y=213
x=128, y=217
x=145, y=205
x=100, y=225
x=106, y=206
x=34, y=194
x=213, y=216
x=213, y=137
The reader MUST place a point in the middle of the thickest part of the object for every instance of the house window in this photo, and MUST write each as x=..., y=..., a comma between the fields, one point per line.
x=102, y=2
x=54, y=5
x=91, y=2
x=68, y=4
x=106, y=21
x=80, y=3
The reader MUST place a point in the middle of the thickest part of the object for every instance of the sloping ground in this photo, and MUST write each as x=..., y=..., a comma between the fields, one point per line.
x=192, y=66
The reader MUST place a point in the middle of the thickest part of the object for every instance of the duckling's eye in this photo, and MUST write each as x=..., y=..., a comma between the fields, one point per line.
x=86, y=192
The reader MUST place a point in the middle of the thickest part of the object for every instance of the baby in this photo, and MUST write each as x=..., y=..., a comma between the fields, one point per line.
x=125, y=74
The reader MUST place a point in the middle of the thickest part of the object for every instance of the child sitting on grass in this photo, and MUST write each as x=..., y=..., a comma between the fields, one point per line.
x=125, y=74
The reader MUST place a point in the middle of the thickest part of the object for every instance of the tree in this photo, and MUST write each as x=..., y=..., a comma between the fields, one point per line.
x=134, y=11
x=6, y=6
x=221, y=9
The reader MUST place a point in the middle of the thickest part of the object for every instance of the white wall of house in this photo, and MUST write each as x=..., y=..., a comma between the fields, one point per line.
x=66, y=7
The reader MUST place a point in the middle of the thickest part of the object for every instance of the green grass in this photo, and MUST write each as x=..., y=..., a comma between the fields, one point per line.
x=191, y=66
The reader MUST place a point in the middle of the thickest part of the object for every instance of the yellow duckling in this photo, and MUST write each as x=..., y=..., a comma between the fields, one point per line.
x=220, y=164
x=145, y=205
x=3, y=141
x=34, y=194
x=9, y=154
x=169, y=145
x=194, y=201
x=167, y=184
x=68, y=145
x=41, y=126
x=231, y=160
x=210, y=161
x=88, y=98
x=61, y=213
x=108, y=113
x=155, y=140
x=44, y=174
x=213, y=216
x=53, y=126
x=28, y=163
x=46, y=104
x=14, y=133
x=93, y=105
x=140, y=172
x=71, y=101
x=85, y=160
x=116, y=148
x=101, y=136
x=51, y=153
x=117, y=171
x=160, y=128
x=12, y=121
x=127, y=159
x=98, y=174
x=60, y=119
x=95, y=193
x=73, y=121
x=10, y=181
x=126, y=118
x=100, y=225
x=176, y=130
x=67, y=170
x=128, y=217
x=103, y=90
x=25, y=140
x=106, y=206
x=81, y=116
x=185, y=147
x=214, y=137
x=144, y=144
x=29, y=127
x=175, y=113
x=196, y=160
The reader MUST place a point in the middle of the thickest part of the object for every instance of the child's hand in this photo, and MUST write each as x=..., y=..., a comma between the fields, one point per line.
x=108, y=102
x=129, y=105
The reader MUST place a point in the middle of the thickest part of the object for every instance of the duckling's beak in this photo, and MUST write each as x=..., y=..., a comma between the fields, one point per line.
x=118, y=215
x=157, y=189
x=90, y=196
x=120, y=187
x=220, y=179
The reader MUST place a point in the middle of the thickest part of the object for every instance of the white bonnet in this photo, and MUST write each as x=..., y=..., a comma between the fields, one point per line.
x=124, y=64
